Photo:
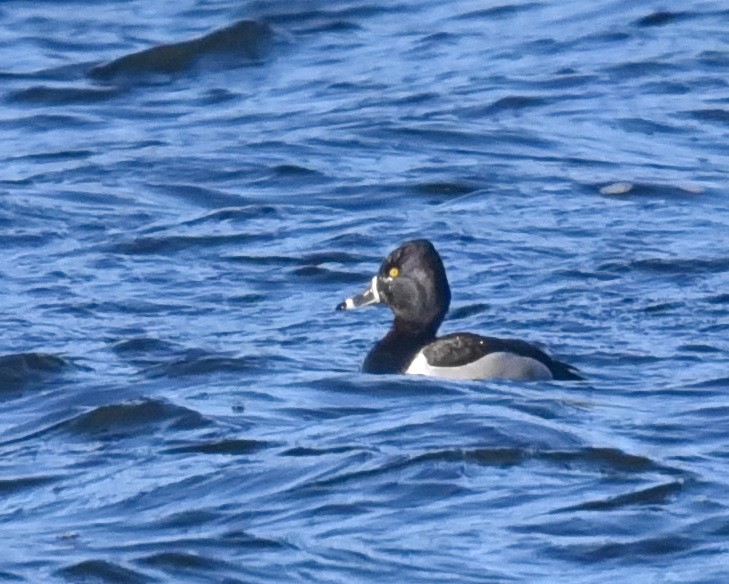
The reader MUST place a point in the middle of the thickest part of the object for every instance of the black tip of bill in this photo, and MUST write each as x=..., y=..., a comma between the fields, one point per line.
x=350, y=303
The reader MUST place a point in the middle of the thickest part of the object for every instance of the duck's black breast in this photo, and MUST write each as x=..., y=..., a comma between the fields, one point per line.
x=395, y=351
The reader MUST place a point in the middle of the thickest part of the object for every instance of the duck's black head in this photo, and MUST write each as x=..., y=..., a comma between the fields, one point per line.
x=412, y=282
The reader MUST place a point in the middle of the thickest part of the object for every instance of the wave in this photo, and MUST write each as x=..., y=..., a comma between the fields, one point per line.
x=655, y=495
x=669, y=266
x=177, y=243
x=203, y=363
x=229, y=446
x=21, y=369
x=11, y=486
x=101, y=571
x=133, y=419
x=593, y=459
x=661, y=18
x=60, y=95
x=246, y=39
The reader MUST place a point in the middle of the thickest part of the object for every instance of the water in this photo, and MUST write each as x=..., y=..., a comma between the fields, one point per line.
x=182, y=208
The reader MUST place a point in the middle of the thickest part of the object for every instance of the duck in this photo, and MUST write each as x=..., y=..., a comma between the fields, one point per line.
x=412, y=282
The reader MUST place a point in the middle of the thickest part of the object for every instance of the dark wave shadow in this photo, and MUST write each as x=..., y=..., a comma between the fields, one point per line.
x=243, y=43
x=183, y=563
x=177, y=243
x=189, y=559
x=662, y=18
x=102, y=571
x=11, y=486
x=155, y=358
x=600, y=460
x=145, y=352
x=713, y=115
x=655, y=495
x=669, y=266
x=445, y=188
x=229, y=446
x=20, y=370
x=196, y=362
x=62, y=95
x=138, y=418
x=467, y=311
x=10, y=577
x=498, y=12
x=632, y=551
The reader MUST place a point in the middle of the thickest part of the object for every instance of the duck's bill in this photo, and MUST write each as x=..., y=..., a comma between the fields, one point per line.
x=369, y=296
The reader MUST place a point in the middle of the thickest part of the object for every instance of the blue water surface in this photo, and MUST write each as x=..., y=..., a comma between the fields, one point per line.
x=188, y=189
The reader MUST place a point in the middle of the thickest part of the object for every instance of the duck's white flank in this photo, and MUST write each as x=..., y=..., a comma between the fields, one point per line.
x=500, y=365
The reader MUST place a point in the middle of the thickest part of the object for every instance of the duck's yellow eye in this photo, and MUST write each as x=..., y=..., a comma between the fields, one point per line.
x=394, y=272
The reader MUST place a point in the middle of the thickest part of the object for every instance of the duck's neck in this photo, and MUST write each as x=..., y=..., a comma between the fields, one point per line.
x=396, y=350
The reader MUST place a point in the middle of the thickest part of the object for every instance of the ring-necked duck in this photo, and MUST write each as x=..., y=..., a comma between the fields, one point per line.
x=412, y=282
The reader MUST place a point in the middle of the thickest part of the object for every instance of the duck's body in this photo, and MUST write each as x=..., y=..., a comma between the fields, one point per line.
x=413, y=283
